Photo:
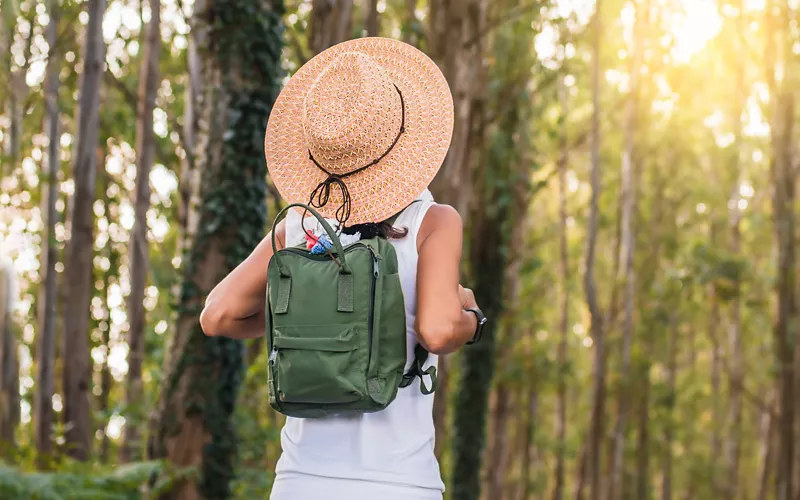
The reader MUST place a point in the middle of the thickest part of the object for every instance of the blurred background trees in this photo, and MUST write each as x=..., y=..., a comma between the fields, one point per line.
x=626, y=170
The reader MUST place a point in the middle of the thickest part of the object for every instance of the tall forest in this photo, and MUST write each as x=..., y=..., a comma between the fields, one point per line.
x=626, y=171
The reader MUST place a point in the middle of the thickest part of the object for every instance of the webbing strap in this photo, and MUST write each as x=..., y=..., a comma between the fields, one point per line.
x=345, y=298
x=420, y=357
x=284, y=290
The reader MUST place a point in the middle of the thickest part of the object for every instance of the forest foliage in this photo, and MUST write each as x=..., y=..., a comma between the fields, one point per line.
x=626, y=171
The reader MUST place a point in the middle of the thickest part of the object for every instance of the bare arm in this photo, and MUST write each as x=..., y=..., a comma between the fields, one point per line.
x=236, y=307
x=442, y=324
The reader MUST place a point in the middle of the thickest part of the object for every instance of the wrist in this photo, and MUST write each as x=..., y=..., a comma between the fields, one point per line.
x=478, y=320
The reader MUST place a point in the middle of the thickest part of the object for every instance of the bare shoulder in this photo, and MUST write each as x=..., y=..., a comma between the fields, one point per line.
x=440, y=218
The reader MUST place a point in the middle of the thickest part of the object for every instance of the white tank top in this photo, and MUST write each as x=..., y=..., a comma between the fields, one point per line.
x=390, y=446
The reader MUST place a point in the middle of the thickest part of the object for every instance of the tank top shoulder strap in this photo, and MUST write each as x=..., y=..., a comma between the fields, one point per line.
x=411, y=218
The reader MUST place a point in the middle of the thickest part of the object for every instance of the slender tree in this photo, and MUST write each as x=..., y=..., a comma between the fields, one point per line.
x=80, y=249
x=48, y=292
x=628, y=242
x=782, y=121
x=563, y=271
x=139, y=251
x=9, y=366
x=331, y=23
x=595, y=435
x=371, y=18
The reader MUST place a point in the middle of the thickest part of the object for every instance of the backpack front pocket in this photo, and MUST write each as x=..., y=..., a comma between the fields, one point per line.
x=308, y=368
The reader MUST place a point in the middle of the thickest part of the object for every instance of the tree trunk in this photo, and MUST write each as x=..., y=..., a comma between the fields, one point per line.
x=456, y=44
x=528, y=460
x=450, y=21
x=411, y=26
x=105, y=322
x=766, y=454
x=489, y=260
x=561, y=411
x=194, y=417
x=496, y=466
x=9, y=365
x=48, y=291
x=80, y=249
x=643, y=488
x=595, y=435
x=669, y=426
x=782, y=121
x=736, y=371
x=138, y=249
x=331, y=23
x=627, y=245
x=716, y=354
x=372, y=19
x=16, y=87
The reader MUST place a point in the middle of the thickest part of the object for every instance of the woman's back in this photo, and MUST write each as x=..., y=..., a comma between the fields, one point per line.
x=391, y=446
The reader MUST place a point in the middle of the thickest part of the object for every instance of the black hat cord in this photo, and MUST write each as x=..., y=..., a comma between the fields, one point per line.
x=322, y=193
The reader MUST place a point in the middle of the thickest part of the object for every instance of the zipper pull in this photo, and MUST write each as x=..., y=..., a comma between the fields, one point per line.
x=375, y=265
x=273, y=356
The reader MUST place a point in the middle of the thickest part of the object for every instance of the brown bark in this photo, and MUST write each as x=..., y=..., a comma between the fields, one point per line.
x=454, y=44
x=596, y=427
x=779, y=43
x=79, y=252
x=138, y=249
x=372, y=18
x=43, y=417
x=452, y=23
x=496, y=465
x=331, y=23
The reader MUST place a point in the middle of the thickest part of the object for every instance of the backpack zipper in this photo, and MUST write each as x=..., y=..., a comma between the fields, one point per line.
x=375, y=274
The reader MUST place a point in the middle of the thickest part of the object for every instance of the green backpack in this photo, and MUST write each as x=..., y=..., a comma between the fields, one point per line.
x=336, y=328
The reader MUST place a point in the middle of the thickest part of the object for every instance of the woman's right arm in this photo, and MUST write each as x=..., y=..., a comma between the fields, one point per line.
x=442, y=323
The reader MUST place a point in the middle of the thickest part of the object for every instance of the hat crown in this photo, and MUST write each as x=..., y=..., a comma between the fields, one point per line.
x=352, y=113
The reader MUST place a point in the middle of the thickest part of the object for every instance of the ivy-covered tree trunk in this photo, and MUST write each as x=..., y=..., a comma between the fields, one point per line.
x=453, y=41
x=80, y=249
x=331, y=23
x=241, y=62
x=502, y=191
x=139, y=250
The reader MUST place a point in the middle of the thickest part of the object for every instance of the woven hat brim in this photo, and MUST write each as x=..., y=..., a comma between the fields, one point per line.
x=387, y=187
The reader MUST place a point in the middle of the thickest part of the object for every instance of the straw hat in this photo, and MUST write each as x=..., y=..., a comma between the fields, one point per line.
x=363, y=128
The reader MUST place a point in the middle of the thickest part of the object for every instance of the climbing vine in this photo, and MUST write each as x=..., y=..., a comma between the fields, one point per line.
x=243, y=58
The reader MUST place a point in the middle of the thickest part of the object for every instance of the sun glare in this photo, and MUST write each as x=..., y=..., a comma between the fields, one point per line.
x=692, y=26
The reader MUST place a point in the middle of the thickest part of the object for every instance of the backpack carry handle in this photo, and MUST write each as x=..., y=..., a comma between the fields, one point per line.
x=345, y=269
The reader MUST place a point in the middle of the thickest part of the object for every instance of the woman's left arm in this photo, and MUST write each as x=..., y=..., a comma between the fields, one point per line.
x=236, y=307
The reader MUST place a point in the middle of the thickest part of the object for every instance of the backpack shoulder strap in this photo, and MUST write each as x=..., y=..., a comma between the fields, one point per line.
x=420, y=357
